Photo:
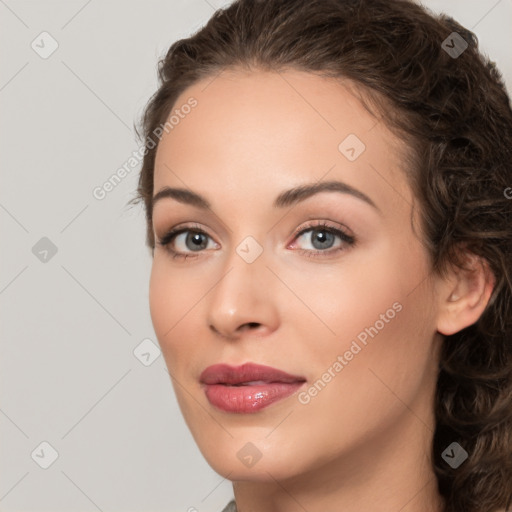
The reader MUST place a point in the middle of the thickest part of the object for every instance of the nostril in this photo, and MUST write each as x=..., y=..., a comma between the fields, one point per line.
x=250, y=325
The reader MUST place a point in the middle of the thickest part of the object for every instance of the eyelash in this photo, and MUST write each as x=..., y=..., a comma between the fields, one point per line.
x=320, y=226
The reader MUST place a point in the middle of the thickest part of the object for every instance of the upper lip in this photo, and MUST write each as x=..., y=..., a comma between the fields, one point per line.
x=226, y=374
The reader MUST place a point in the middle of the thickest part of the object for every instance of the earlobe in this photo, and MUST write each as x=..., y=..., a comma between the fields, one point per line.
x=464, y=296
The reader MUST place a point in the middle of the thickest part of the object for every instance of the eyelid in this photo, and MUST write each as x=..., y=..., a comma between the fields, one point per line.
x=321, y=223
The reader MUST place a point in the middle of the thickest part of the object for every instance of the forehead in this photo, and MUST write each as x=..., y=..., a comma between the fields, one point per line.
x=284, y=127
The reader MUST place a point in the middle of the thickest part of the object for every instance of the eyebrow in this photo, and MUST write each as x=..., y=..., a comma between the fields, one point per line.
x=284, y=199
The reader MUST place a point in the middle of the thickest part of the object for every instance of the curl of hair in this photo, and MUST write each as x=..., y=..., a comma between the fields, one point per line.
x=455, y=116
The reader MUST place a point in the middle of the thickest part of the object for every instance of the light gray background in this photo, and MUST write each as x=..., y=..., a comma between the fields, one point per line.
x=70, y=325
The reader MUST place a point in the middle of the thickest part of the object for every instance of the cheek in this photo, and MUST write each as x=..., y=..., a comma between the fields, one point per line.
x=161, y=304
x=379, y=307
x=376, y=383
x=351, y=295
x=374, y=312
x=171, y=298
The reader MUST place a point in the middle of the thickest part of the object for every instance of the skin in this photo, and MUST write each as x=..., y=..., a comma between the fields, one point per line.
x=363, y=442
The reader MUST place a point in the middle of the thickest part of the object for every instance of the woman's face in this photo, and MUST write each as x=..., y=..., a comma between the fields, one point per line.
x=348, y=306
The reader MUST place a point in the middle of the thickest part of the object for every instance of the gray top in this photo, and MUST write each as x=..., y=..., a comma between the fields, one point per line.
x=230, y=507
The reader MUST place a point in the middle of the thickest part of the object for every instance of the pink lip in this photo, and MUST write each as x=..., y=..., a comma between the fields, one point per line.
x=225, y=388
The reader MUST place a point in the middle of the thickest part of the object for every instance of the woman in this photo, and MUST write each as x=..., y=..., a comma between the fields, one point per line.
x=327, y=194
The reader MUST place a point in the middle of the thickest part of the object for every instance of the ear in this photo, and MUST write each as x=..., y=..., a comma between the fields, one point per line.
x=464, y=294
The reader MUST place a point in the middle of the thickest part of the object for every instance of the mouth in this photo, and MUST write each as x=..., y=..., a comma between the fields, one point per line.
x=250, y=383
x=247, y=374
x=247, y=388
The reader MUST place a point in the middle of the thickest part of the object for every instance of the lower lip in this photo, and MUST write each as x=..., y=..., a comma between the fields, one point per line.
x=248, y=399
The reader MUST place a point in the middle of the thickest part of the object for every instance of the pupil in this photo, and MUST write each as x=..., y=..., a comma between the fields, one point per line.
x=323, y=237
x=197, y=240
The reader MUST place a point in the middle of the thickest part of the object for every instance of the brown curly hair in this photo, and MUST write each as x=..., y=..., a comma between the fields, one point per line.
x=450, y=105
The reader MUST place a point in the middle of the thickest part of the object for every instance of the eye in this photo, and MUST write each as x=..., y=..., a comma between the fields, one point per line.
x=182, y=242
x=322, y=237
x=185, y=239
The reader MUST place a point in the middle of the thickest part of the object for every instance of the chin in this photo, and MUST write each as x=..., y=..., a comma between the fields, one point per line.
x=239, y=460
x=268, y=471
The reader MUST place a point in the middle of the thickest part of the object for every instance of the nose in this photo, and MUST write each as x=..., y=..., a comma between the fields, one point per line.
x=243, y=302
